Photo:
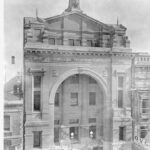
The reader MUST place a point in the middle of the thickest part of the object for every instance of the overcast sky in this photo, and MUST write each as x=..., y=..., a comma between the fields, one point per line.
x=134, y=14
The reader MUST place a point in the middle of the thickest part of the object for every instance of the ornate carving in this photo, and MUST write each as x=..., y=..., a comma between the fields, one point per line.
x=73, y=5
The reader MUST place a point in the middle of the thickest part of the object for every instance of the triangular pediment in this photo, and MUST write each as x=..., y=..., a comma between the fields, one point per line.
x=73, y=20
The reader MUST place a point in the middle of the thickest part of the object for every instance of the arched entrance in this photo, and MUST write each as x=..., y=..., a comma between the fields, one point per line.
x=77, y=101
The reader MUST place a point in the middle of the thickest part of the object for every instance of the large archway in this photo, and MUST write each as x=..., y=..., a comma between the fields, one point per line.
x=78, y=123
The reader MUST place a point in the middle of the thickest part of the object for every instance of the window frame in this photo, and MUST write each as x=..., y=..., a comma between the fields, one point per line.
x=122, y=129
x=94, y=132
x=145, y=107
x=120, y=89
x=40, y=139
x=145, y=131
x=9, y=123
x=71, y=97
x=51, y=38
x=91, y=102
x=38, y=38
x=71, y=42
x=91, y=43
x=39, y=89
x=58, y=99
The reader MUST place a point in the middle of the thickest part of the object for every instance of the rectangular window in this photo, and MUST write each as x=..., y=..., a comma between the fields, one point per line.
x=52, y=41
x=92, y=81
x=71, y=42
x=145, y=106
x=122, y=133
x=56, y=135
x=7, y=123
x=74, y=121
x=143, y=131
x=92, y=120
x=74, y=79
x=77, y=43
x=37, y=92
x=37, y=97
x=37, y=139
x=120, y=81
x=59, y=41
x=92, y=132
x=92, y=98
x=57, y=122
x=120, y=91
x=37, y=33
x=89, y=43
x=74, y=99
x=120, y=98
x=37, y=81
x=57, y=100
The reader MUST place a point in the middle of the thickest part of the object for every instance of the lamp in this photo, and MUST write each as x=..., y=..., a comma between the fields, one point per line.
x=91, y=134
x=72, y=135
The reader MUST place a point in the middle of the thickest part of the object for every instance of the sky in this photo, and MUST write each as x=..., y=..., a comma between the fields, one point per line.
x=134, y=14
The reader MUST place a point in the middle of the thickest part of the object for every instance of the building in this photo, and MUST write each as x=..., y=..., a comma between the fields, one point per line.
x=77, y=83
x=13, y=114
x=141, y=102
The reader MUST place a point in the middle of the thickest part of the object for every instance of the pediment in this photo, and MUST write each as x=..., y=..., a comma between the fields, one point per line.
x=72, y=22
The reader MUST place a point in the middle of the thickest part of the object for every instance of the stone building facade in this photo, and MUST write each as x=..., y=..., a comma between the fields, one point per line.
x=77, y=78
x=13, y=115
x=141, y=98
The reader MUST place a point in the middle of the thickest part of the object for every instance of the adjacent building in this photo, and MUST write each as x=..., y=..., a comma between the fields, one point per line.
x=141, y=97
x=13, y=114
x=77, y=83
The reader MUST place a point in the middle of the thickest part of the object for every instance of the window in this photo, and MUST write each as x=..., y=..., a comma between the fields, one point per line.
x=36, y=93
x=75, y=79
x=52, y=41
x=74, y=121
x=120, y=98
x=56, y=135
x=92, y=81
x=37, y=96
x=89, y=43
x=37, y=33
x=71, y=42
x=12, y=59
x=7, y=123
x=92, y=132
x=12, y=148
x=59, y=41
x=37, y=81
x=122, y=133
x=143, y=131
x=37, y=139
x=74, y=99
x=92, y=98
x=57, y=100
x=92, y=120
x=74, y=133
x=57, y=122
x=145, y=106
x=77, y=43
x=120, y=91
x=120, y=81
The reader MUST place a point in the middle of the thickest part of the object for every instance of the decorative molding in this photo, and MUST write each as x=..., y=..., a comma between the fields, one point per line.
x=36, y=71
